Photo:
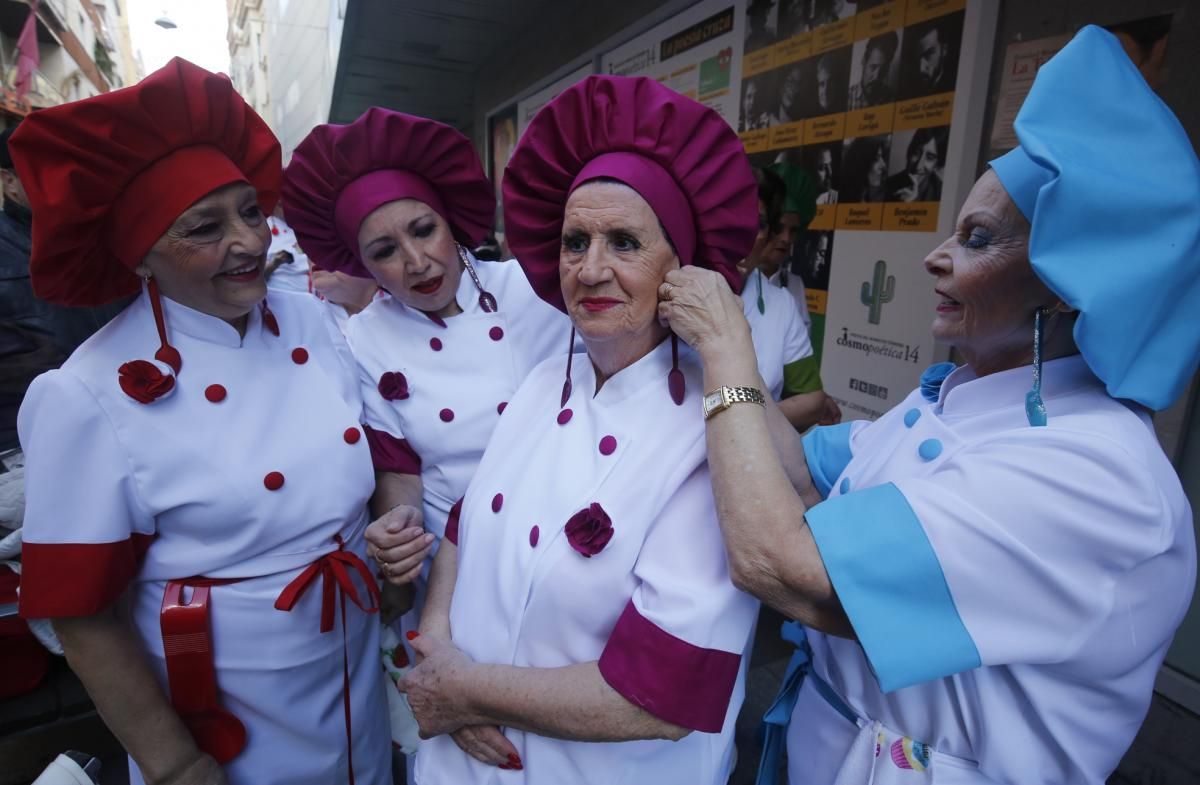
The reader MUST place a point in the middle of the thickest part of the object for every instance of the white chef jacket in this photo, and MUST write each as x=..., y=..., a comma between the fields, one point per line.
x=123, y=496
x=795, y=285
x=1013, y=589
x=293, y=276
x=655, y=607
x=459, y=375
x=779, y=335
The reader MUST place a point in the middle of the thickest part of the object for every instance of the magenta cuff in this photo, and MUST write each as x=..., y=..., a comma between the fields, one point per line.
x=672, y=679
x=451, y=532
x=390, y=454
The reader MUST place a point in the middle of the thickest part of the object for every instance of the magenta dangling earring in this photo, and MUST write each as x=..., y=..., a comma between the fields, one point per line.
x=566, y=390
x=676, y=384
x=487, y=301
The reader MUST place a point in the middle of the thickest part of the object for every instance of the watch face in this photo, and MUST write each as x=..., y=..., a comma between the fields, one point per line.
x=712, y=400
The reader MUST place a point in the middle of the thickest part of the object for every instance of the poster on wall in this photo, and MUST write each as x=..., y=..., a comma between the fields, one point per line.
x=890, y=121
x=529, y=106
x=696, y=53
x=502, y=138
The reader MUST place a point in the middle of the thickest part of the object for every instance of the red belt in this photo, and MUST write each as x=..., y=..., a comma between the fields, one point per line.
x=187, y=643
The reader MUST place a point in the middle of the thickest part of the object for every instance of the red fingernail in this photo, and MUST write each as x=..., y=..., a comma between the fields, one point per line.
x=411, y=635
x=514, y=760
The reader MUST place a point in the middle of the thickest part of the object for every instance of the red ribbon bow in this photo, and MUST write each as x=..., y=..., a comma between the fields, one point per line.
x=334, y=570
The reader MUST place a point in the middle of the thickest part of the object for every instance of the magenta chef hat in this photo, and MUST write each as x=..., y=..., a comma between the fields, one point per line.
x=340, y=174
x=679, y=155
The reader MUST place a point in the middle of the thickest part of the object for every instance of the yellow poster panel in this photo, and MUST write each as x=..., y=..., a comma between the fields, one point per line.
x=827, y=128
x=816, y=300
x=796, y=48
x=924, y=112
x=920, y=10
x=859, y=217
x=823, y=220
x=870, y=121
x=757, y=62
x=756, y=141
x=786, y=135
x=910, y=216
x=832, y=36
x=879, y=20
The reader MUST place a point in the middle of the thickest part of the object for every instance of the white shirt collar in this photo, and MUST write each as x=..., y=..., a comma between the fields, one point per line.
x=965, y=393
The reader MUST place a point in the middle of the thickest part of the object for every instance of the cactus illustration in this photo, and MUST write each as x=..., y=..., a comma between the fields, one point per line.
x=879, y=291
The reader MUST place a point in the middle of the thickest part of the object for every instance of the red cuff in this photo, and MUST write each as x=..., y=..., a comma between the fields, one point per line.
x=672, y=679
x=451, y=532
x=390, y=454
x=60, y=580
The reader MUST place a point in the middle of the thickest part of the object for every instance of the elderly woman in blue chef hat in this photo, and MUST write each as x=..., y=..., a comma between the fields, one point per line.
x=988, y=576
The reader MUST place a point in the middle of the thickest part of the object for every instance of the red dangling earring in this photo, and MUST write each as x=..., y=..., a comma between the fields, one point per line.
x=142, y=380
x=166, y=352
x=268, y=319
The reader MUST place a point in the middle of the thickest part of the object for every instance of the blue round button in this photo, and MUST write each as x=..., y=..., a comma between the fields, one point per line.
x=911, y=416
x=930, y=449
x=845, y=486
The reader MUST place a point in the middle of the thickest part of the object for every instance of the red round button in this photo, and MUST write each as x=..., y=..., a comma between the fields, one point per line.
x=435, y=344
x=273, y=481
x=299, y=355
x=215, y=393
x=446, y=414
x=352, y=435
x=564, y=416
x=497, y=502
x=495, y=333
x=608, y=445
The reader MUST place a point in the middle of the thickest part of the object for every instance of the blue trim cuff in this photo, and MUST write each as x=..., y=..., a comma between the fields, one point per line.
x=892, y=587
x=827, y=450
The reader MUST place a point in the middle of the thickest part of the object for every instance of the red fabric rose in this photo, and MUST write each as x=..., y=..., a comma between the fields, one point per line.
x=393, y=386
x=589, y=530
x=143, y=382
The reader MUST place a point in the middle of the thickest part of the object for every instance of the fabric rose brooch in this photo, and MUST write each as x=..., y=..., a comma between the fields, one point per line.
x=589, y=530
x=145, y=381
x=393, y=386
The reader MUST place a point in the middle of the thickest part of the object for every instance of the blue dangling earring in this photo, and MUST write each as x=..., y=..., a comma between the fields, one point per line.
x=1035, y=408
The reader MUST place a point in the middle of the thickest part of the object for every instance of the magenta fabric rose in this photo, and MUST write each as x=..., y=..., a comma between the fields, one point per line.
x=393, y=386
x=589, y=530
x=143, y=381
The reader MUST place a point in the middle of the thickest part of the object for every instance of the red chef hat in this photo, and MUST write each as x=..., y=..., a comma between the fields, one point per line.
x=108, y=175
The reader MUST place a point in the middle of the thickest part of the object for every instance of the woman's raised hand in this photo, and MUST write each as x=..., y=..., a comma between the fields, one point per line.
x=699, y=307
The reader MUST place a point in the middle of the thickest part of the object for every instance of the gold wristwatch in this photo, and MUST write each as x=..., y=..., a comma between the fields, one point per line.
x=722, y=398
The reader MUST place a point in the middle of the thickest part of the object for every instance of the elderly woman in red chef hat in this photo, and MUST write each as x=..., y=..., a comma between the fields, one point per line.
x=196, y=479
x=581, y=593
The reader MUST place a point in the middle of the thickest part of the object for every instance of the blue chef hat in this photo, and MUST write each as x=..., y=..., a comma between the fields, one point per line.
x=1111, y=186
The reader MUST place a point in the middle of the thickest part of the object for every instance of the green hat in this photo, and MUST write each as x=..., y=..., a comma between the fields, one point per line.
x=801, y=191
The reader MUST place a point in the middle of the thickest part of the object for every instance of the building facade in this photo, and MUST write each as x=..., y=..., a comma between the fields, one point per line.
x=283, y=55
x=84, y=49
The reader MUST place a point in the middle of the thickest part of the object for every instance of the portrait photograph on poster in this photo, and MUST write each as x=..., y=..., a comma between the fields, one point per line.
x=917, y=163
x=864, y=169
x=874, y=69
x=929, y=56
x=761, y=21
